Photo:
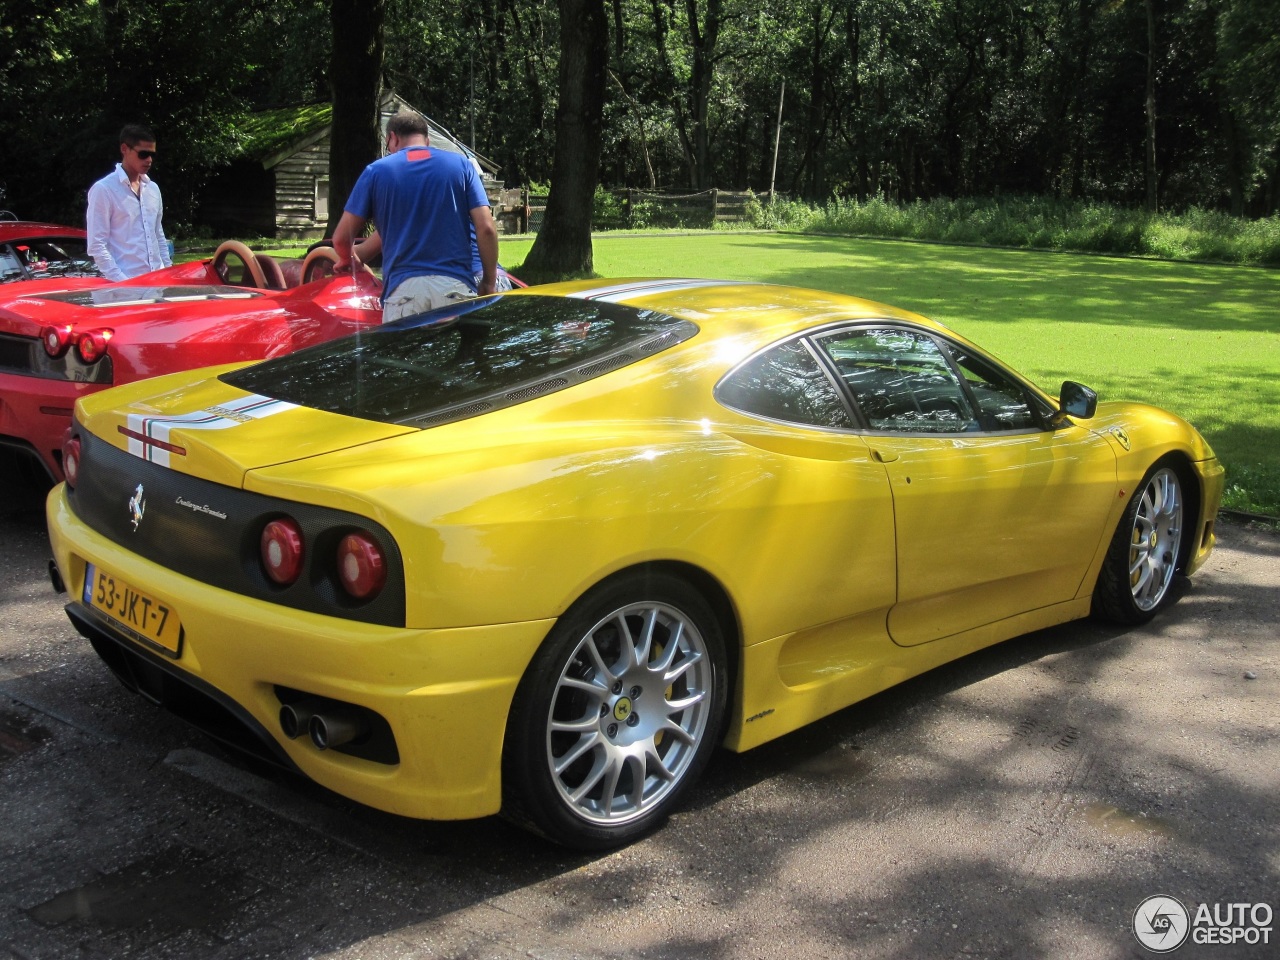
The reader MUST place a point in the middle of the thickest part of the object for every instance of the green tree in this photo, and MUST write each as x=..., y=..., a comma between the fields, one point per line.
x=1248, y=66
x=355, y=74
x=563, y=245
x=75, y=72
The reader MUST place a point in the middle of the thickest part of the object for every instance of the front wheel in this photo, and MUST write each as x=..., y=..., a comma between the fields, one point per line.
x=617, y=714
x=1134, y=583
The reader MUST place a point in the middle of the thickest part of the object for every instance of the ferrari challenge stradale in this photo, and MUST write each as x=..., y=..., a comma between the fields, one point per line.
x=542, y=553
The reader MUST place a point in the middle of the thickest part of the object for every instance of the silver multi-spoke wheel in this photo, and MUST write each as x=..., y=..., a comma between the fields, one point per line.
x=628, y=712
x=1155, y=540
x=1136, y=578
x=618, y=712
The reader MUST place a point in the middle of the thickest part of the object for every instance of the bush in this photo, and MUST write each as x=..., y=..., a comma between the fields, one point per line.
x=608, y=212
x=1046, y=224
x=778, y=213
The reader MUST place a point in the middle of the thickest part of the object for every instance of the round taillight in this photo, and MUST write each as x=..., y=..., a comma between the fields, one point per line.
x=92, y=345
x=282, y=550
x=71, y=460
x=361, y=567
x=56, y=340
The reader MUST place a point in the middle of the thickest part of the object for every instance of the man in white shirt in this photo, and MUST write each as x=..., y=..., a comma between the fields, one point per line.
x=126, y=237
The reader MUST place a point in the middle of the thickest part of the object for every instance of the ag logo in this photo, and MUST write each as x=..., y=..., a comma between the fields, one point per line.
x=1121, y=436
x=1161, y=924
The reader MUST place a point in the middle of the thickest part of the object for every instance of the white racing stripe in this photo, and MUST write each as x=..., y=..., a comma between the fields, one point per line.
x=220, y=417
x=622, y=292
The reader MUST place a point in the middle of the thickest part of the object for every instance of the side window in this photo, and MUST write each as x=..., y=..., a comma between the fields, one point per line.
x=1002, y=403
x=785, y=383
x=321, y=206
x=901, y=380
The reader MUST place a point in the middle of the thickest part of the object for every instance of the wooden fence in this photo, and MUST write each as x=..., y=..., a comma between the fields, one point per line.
x=521, y=211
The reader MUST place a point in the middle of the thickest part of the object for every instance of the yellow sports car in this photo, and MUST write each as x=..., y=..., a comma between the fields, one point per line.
x=541, y=553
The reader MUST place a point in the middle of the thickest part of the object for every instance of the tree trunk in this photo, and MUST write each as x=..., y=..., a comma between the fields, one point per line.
x=703, y=40
x=857, y=138
x=659, y=10
x=1233, y=154
x=562, y=249
x=1152, y=195
x=815, y=151
x=355, y=79
x=117, y=73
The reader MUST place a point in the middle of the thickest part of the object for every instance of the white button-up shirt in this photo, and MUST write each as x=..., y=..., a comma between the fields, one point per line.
x=126, y=237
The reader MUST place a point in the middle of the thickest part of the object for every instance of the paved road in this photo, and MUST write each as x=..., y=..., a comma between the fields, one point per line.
x=1018, y=804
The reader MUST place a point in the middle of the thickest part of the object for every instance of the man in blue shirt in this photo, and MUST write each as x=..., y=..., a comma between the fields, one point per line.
x=425, y=204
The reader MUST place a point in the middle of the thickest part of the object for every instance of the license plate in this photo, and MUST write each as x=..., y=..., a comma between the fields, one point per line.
x=140, y=615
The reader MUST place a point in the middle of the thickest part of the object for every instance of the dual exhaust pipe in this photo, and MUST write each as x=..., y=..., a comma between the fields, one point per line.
x=326, y=723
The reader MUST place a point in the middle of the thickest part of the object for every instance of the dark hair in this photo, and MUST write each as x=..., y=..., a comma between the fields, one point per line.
x=406, y=123
x=136, y=133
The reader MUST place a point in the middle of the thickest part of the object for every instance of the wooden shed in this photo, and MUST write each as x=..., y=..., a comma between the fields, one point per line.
x=278, y=186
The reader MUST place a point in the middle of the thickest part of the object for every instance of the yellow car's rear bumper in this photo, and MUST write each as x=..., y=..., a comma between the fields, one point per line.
x=445, y=694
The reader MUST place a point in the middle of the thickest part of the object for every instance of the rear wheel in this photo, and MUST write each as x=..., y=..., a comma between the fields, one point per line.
x=1145, y=551
x=617, y=714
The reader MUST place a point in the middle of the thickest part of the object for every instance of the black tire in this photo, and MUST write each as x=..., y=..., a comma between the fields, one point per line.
x=1146, y=550
x=632, y=721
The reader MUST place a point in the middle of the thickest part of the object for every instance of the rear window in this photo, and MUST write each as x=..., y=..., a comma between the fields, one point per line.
x=462, y=361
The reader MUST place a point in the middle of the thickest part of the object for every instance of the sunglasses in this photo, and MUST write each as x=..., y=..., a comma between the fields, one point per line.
x=143, y=154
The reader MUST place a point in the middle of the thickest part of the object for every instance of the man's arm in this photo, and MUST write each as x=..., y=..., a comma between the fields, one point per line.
x=344, y=239
x=369, y=248
x=98, y=227
x=161, y=238
x=487, y=244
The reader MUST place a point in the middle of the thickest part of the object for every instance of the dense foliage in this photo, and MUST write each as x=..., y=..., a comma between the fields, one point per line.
x=899, y=99
x=1036, y=224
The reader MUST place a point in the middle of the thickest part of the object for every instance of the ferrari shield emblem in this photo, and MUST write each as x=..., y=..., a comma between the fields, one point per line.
x=137, y=506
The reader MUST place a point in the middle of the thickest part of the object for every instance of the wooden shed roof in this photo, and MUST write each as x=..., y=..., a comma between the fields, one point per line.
x=272, y=136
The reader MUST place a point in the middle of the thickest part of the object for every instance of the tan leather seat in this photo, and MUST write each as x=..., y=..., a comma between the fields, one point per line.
x=292, y=270
x=271, y=270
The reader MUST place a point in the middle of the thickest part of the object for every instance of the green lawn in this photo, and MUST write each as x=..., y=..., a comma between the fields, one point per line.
x=1201, y=340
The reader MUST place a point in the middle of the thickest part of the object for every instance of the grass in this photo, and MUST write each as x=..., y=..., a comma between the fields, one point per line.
x=1200, y=340
x=1041, y=223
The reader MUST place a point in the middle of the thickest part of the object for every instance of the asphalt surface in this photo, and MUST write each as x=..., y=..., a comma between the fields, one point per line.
x=1020, y=803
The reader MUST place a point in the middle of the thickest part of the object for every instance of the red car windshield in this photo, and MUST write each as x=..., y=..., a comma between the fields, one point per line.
x=41, y=257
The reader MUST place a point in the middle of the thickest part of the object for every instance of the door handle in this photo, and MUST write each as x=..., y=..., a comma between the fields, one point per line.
x=884, y=456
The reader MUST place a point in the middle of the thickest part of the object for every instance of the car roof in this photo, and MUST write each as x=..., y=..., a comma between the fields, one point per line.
x=12, y=230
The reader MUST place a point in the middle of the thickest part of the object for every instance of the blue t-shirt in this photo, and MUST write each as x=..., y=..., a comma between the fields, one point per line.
x=421, y=200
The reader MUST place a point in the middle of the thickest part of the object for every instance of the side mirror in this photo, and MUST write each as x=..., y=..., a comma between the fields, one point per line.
x=1077, y=400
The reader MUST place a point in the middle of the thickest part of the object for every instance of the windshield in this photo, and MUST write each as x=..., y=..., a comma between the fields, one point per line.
x=465, y=360
x=42, y=257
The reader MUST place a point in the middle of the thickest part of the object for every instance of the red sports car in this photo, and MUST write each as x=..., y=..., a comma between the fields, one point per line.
x=62, y=339
x=38, y=251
